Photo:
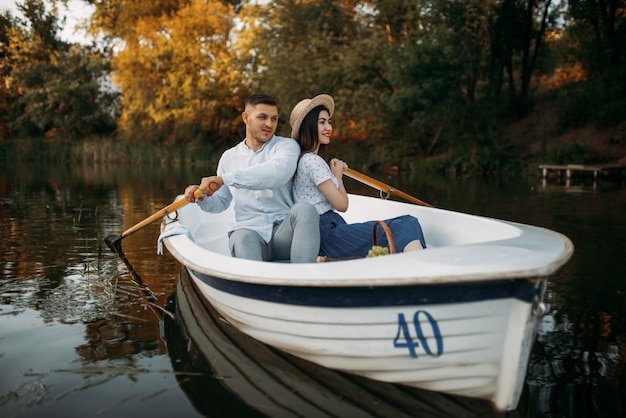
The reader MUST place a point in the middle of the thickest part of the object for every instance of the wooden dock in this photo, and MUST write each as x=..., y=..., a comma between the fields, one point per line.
x=570, y=169
x=605, y=170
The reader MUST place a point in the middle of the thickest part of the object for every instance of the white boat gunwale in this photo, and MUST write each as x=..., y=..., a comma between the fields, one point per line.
x=525, y=252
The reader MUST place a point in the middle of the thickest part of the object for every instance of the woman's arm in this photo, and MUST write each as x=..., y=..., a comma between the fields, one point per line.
x=337, y=197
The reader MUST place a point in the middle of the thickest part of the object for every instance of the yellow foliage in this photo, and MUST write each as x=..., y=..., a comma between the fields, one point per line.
x=177, y=67
x=565, y=74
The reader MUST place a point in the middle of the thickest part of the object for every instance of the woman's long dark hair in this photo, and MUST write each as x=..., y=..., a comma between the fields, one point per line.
x=308, y=138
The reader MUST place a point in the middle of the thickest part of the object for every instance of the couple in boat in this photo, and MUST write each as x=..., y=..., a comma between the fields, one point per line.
x=287, y=197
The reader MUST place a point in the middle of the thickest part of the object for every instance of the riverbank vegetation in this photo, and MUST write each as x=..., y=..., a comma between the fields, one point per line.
x=473, y=86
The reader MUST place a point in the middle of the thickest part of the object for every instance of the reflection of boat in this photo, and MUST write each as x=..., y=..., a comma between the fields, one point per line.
x=227, y=373
x=458, y=318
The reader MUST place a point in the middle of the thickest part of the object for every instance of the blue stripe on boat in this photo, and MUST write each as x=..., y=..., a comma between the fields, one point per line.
x=523, y=290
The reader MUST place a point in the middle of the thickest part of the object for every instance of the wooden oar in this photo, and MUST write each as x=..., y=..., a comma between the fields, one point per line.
x=385, y=188
x=115, y=241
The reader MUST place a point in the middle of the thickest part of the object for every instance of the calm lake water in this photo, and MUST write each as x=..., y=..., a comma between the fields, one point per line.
x=86, y=333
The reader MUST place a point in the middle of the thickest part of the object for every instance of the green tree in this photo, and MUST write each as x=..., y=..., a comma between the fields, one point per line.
x=598, y=29
x=8, y=93
x=519, y=28
x=299, y=46
x=303, y=48
x=57, y=85
x=401, y=72
x=429, y=65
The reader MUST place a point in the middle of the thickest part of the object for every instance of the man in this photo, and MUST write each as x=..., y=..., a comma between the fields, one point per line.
x=257, y=173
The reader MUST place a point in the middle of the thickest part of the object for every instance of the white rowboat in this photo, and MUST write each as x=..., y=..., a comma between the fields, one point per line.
x=459, y=317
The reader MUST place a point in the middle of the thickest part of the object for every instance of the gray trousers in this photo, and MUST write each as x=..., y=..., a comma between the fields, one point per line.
x=296, y=238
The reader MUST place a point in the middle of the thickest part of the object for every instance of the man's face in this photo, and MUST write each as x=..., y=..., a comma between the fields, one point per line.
x=261, y=123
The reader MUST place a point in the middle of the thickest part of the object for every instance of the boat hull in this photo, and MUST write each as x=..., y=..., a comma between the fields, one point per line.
x=278, y=384
x=464, y=339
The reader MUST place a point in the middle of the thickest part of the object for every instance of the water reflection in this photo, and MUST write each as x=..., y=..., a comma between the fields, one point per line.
x=576, y=367
x=129, y=327
x=73, y=312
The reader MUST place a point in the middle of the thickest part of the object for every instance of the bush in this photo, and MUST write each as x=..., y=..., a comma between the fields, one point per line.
x=574, y=153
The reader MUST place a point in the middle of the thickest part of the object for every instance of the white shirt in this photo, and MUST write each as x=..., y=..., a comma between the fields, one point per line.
x=259, y=182
x=312, y=171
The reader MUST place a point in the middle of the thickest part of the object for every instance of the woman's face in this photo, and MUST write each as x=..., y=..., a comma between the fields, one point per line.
x=324, y=128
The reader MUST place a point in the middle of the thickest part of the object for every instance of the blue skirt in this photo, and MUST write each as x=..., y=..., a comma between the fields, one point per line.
x=341, y=240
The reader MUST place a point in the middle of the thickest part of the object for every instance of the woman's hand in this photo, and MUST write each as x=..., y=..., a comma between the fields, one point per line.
x=337, y=167
x=336, y=195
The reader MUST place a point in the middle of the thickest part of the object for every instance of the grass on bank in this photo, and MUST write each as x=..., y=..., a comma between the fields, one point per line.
x=104, y=150
x=496, y=159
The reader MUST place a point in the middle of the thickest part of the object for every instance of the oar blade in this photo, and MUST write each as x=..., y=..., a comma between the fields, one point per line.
x=114, y=242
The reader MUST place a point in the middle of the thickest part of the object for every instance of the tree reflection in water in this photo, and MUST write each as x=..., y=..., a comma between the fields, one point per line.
x=573, y=366
x=73, y=312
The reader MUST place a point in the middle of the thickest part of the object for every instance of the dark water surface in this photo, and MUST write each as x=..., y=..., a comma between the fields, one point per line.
x=83, y=335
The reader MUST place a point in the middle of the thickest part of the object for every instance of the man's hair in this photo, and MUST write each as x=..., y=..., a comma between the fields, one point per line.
x=260, y=98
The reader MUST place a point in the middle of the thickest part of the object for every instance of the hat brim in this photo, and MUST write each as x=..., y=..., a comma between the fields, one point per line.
x=322, y=99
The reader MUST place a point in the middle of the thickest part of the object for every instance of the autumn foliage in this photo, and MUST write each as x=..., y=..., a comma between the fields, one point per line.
x=411, y=80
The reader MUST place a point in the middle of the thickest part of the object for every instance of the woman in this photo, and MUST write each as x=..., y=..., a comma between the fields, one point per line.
x=321, y=184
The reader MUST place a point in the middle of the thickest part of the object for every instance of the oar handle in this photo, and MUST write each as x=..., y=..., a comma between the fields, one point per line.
x=382, y=186
x=172, y=207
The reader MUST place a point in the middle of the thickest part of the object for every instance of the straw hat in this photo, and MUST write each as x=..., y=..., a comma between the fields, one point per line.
x=303, y=108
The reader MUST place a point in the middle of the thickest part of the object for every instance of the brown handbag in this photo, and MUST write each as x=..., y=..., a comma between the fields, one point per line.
x=383, y=224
